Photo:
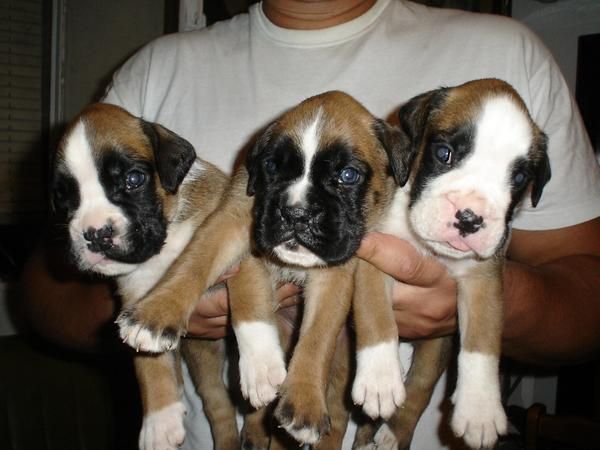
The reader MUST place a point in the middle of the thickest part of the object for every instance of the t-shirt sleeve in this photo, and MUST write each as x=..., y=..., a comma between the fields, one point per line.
x=128, y=85
x=572, y=195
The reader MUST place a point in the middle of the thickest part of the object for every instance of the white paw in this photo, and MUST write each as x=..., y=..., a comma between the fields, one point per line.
x=479, y=421
x=262, y=367
x=385, y=439
x=378, y=384
x=142, y=339
x=304, y=435
x=369, y=446
x=260, y=378
x=163, y=429
x=478, y=415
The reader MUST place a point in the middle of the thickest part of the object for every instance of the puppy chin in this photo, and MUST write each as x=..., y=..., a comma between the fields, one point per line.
x=297, y=255
x=448, y=250
x=458, y=249
x=99, y=263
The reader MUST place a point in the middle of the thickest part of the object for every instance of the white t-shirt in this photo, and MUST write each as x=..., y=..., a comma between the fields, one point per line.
x=219, y=86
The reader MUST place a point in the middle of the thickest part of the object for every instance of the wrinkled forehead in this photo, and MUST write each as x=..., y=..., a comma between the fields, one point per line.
x=101, y=129
x=325, y=121
x=499, y=128
x=499, y=138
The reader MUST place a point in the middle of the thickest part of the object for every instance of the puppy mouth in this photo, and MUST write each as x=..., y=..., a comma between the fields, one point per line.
x=96, y=258
x=294, y=253
x=292, y=245
x=458, y=244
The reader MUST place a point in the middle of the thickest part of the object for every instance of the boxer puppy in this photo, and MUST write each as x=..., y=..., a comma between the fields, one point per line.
x=474, y=152
x=318, y=178
x=133, y=194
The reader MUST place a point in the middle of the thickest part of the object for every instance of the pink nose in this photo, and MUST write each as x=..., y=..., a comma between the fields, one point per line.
x=470, y=201
x=470, y=212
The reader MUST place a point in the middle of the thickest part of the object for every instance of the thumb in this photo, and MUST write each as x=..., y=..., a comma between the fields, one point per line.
x=399, y=259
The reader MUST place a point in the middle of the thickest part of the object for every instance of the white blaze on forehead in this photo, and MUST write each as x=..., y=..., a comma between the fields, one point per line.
x=94, y=208
x=309, y=144
x=503, y=133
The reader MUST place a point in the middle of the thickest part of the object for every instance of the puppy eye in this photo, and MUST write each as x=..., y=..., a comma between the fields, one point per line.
x=59, y=197
x=349, y=175
x=135, y=179
x=519, y=179
x=444, y=154
x=270, y=166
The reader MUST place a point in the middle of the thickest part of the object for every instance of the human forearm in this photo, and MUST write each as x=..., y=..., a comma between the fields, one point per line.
x=62, y=305
x=552, y=313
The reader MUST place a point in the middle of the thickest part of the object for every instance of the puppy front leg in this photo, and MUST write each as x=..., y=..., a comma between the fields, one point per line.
x=162, y=427
x=157, y=321
x=261, y=364
x=205, y=360
x=378, y=385
x=302, y=409
x=336, y=396
x=478, y=413
x=430, y=359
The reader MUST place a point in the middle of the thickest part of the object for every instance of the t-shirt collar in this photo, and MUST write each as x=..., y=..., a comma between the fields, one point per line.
x=317, y=38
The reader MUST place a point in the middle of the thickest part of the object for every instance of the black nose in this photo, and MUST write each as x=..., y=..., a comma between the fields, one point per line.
x=296, y=217
x=99, y=239
x=468, y=222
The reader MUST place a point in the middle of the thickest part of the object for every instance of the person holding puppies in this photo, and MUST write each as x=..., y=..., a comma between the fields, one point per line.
x=219, y=86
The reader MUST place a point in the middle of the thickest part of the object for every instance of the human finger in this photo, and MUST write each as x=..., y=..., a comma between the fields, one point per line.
x=399, y=259
x=210, y=317
x=425, y=312
x=287, y=295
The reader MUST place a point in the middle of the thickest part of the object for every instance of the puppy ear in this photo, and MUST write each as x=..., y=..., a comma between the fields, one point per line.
x=251, y=169
x=542, y=172
x=173, y=155
x=413, y=117
x=253, y=161
x=398, y=148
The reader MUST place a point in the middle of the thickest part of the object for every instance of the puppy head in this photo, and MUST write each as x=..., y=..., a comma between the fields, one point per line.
x=474, y=152
x=320, y=176
x=114, y=179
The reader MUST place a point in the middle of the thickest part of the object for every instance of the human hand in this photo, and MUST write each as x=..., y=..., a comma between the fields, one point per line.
x=211, y=314
x=210, y=317
x=424, y=294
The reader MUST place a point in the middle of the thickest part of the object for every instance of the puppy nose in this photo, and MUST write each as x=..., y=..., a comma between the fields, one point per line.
x=99, y=239
x=468, y=222
x=293, y=213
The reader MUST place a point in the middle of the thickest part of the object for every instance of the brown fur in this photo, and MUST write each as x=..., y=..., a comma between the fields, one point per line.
x=224, y=240
x=480, y=296
x=480, y=289
x=109, y=127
